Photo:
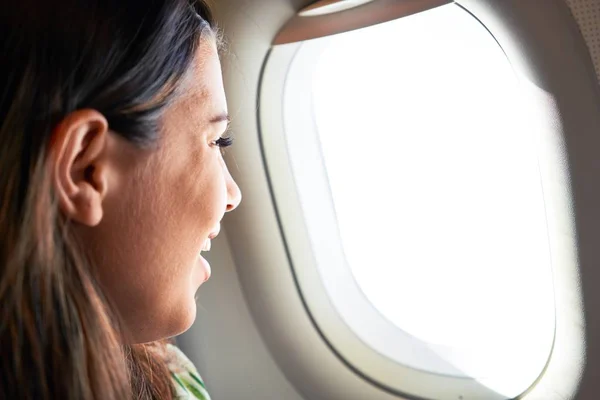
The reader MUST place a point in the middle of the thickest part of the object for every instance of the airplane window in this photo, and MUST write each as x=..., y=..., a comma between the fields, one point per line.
x=436, y=193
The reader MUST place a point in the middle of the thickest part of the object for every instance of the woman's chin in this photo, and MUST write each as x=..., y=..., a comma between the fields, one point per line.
x=188, y=321
x=175, y=324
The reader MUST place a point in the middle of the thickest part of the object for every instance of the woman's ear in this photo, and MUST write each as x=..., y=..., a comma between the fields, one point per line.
x=79, y=165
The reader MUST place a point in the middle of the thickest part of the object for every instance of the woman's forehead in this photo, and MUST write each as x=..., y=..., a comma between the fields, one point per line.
x=202, y=96
x=203, y=85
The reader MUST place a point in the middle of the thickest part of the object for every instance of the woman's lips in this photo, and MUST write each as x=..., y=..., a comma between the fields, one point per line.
x=205, y=266
x=206, y=247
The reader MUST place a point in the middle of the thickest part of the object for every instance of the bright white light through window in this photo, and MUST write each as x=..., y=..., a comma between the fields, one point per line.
x=437, y=191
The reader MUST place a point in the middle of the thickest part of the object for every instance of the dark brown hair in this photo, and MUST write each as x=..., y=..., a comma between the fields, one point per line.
x=59, y=336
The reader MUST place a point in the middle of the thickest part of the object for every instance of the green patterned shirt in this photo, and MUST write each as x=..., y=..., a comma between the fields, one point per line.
x=186, y=380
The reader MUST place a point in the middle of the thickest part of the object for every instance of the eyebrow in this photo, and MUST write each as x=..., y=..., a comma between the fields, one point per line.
x=220, y=118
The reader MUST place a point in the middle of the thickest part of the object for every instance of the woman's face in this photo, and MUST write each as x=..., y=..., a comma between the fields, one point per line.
x=162, y=207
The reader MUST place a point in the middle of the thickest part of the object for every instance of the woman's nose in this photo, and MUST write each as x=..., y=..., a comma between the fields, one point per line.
x=234, y=194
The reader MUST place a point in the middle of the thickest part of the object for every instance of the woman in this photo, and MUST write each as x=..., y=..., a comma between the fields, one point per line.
x=112, y=181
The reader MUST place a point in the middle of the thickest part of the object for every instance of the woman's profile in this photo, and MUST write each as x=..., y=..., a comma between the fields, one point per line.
x=112, y=181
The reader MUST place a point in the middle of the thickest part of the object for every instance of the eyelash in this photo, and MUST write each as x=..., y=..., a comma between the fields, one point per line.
x=223, y=142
